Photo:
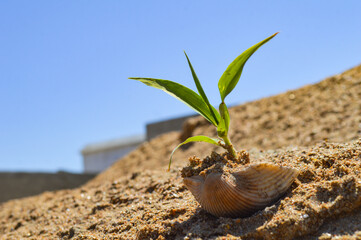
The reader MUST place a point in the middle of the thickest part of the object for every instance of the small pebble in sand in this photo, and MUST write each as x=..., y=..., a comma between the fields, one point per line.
x=305, y=216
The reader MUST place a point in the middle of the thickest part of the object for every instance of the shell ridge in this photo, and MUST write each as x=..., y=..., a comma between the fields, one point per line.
x=243, y=192
x=240, y=203
x=230, y=204
x=283, y=175
x=234, y=203
x=195, y=185
x=209, y=185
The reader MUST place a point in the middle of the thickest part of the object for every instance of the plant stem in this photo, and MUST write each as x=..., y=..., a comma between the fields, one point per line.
x=229, y=147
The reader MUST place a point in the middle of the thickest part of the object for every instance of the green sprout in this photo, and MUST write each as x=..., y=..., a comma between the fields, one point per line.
x=199, y=102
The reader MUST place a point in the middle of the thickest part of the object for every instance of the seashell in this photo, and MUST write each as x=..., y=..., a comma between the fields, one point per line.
x=241, y=193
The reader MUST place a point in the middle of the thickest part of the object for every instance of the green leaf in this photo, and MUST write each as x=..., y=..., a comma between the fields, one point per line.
x=186, y=95
x=201, y=91
x=231, y=76
x=206, y=139
x=223, y=127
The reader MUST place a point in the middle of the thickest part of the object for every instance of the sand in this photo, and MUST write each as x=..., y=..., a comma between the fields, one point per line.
x=315, y=129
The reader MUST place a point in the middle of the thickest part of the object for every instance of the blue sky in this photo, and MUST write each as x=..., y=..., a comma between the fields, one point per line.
x=64, y=64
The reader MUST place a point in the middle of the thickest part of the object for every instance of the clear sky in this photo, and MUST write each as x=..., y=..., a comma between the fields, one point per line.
x=64, y=64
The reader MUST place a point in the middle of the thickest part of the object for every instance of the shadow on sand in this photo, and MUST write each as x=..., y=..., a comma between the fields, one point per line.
x=204, y=225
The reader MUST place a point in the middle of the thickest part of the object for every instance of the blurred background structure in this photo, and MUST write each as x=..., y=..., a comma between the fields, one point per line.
x=24, y=184
x=99, y=156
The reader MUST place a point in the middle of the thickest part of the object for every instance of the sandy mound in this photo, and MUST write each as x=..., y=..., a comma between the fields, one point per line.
x=129, y=202
x=329, y=110
x=155, y=204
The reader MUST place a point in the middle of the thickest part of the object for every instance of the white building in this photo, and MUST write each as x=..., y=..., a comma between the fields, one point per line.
x=99, y=156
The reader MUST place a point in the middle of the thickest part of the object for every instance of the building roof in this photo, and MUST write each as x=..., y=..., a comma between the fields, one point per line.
x=113, y=144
